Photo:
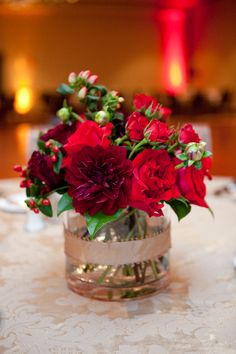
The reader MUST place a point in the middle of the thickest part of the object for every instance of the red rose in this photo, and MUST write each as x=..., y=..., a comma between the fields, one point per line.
x=188, y=135
x=164, y=112
x=158, y=131
x=135, y=126
x=99, y=179
x=154, y=181
x=142, y=102
x=191, y=184
x=89, y=133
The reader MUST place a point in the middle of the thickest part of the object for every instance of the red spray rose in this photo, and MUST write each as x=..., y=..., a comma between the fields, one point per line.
x=40, y=166
x=154, y=180
x=89, y=133
x=188, y=135
x=99, y=179
x=158, y=131
x=190, y=182
x=142, y=102
x=135, y=126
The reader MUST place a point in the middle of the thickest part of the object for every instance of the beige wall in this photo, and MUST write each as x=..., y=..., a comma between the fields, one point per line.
x=122, y=45
x=215, y=54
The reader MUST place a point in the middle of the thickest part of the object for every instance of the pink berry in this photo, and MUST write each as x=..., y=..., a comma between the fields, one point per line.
x=32, y=203
x=53, y=158
x=55, y=149
x=17, y=168
x=48, y=144
x=45, y=202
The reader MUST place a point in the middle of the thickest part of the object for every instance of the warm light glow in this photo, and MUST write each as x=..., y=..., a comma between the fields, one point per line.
x=173, y=52
x=23, y=100
x=175, y=74
x=22, y=140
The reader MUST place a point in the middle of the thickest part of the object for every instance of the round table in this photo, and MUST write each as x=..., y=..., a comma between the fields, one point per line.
x=196, y=314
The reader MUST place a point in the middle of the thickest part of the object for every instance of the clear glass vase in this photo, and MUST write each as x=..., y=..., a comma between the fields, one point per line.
x=127, y=259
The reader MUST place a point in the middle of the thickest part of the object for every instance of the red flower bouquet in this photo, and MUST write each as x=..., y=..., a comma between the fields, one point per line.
x=107, y=166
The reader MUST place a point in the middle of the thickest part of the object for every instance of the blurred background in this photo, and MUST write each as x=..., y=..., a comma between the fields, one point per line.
x=180, y=51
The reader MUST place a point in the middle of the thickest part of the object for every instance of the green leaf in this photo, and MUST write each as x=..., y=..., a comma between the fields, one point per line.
x=34, y=190
x=41, y=145
x=97, y=221
x=100, y=88
x=57, y=164
x=180, y=206
x=119, y=116
x=182, y=157
x=148, y=112
x=198, y=165
x=65, y=89
x=207, y=153
x=46, y=209
x=65, y=203
x=93, y=98
x=211, y=211
x=190, y=162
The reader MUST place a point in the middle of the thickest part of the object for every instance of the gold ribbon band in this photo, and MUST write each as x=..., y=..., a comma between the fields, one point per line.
x=116, y=253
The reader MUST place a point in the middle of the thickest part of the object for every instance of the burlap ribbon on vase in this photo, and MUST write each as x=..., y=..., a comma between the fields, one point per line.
x=116, y=253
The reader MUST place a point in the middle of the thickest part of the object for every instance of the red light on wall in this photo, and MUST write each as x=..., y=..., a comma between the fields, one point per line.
x=173, y=52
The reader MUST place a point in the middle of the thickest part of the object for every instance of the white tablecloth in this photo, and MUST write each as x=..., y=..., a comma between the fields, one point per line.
x=196, y=314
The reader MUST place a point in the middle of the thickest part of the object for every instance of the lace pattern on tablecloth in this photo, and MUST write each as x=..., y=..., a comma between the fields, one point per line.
x=196, y=314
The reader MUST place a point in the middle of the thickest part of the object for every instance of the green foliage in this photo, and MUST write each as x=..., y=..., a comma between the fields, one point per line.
x=180, y=206
x=97, y=221
x=45, y=209
x=57, y=164
x=65, y=203
x=65, y=89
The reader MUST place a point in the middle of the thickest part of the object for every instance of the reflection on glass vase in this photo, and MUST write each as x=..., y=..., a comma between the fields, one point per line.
x=127, y=259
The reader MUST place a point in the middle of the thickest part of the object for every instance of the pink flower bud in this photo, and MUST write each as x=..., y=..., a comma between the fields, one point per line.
x=85, y=74
x=82, y=93
x=114, y=93
x=72, y=78
x=93, y=79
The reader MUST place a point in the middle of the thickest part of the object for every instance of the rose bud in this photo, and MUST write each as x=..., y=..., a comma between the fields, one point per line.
x=85, y=74
x=82, y=93
x=114, y=93
x=102, y=118
x=195, y=151
x=72, y=78
x=92, y=79
x=63, y=114
x=36, y=210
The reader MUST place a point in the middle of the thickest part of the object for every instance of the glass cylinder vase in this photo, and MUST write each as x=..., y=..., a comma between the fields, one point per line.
x=127, y=259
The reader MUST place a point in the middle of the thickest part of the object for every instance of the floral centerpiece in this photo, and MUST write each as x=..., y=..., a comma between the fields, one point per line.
x=115, y=174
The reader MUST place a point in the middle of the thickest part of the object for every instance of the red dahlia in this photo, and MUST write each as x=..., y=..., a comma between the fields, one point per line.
x=40, y=166
x=60, y=132
x=99, y=179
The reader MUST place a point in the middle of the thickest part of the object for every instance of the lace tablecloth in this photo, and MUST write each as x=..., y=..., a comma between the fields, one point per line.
x=196, y=314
